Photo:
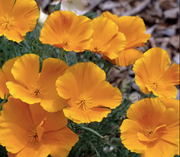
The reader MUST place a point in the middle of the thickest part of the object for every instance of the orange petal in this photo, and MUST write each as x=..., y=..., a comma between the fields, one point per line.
x=60, y=142
x=6, y=7
x=51, y=69
x=26, y=69
x=70, y=32
x=167, y=92
x=3, y=89
x=135, y=35
x=7, y=68
x=19, y=92
x=160, y=148
x=16, y=106
x=170, y=103
x=26, y=10
x=171, y=76
x=78, y=115
x=34, y=150
x=104, y=41
x=12, y=136
x=52, y=102
x=146, y=111
x=81, y=77
x=129, y=130
x=128, y=57
x=111, y=98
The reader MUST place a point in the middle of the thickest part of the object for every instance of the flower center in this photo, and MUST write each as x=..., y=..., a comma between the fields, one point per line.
x=33, y=136
x=84, y=102
x=37, y=93
x=7, y=22
x=151, y=135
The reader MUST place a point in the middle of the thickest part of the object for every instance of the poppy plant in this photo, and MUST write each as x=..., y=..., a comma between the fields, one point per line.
x=90, y=96
x=134, y=29
x=17, y=18
x=28, y=130
x=106, y=38
x=68, y=31
x=32, y=87
x=151, y=129
x=153, y=73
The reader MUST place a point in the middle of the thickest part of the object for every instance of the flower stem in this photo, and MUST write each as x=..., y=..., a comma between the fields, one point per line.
x=91, y=130
x=151, y=94
x=62, y=54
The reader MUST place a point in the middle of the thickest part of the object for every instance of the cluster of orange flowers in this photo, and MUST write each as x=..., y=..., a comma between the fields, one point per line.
x=33, y=122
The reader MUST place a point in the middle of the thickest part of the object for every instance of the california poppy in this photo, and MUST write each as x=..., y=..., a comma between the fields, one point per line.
x=28, y=130
x=17, y=18
x=66, y=30
x=153, y=73
x=90, y=97
x=32, y=87
x=151, y=129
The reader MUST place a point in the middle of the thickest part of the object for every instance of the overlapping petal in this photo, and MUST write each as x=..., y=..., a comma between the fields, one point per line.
x=17, y=18
x=106, y=38
x=135, y=37
x=153, y=74
x=83, y=85
x=66, y=30
x=5, y=76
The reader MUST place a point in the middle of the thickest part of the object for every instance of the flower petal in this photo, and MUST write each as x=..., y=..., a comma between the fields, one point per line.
x=104, y=41
x=146, y=112
x=13, y=136
x=19, y=92
x=127, y=57
x=160, y=148
x=28, y=11
x=135, y=35
x=78, y=115
x=60, y=142
x=26, y=69
x=3, y=89
x=129, y=130
x=171, y=76
x=34, y=150
x=51, y=69
x=111, y=98
x=81, y=77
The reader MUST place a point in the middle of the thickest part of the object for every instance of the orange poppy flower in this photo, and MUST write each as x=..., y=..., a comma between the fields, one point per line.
x=68, y=31
x=28, y=130
x=154, y=73
x=33, y=87
x=17, y=18
x=151, y=129
x=106, y=38
x=90, y=96
x=5, y=76
x=134, y=29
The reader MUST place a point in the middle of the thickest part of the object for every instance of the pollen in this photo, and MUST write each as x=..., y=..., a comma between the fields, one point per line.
x=33, y=136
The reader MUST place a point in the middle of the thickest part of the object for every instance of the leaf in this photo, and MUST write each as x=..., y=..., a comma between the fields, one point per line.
x=57, y=7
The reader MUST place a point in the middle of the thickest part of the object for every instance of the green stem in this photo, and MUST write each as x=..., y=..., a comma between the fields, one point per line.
x=150, y=95
x=5, y=99
x=91, y=130
x=15, y=53
x=25, y=42
x=62, y=54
